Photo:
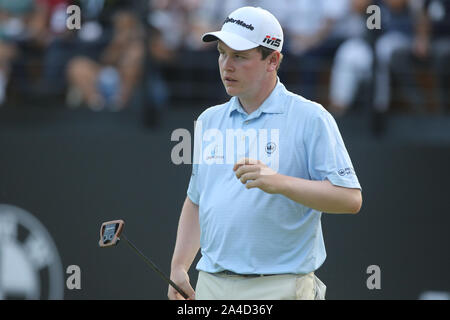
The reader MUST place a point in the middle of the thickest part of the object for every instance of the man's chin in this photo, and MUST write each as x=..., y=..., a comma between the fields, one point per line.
x=231, y=92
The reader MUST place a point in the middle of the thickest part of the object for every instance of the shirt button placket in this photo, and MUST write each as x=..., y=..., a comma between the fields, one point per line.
x=246, y=122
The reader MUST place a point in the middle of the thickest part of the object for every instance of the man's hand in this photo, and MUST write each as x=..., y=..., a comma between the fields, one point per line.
x=181, y=279
x=255, y=174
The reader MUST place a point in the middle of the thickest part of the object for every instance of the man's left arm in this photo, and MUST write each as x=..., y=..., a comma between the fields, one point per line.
x=322, y=196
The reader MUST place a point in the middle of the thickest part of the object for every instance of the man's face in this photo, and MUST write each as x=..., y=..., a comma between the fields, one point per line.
x=241, y=72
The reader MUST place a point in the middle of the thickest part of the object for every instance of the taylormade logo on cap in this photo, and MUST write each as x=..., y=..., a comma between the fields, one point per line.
x=247, y=28
x=239, y=22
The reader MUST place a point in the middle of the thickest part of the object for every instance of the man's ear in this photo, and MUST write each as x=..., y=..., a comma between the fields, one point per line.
x=273, y=61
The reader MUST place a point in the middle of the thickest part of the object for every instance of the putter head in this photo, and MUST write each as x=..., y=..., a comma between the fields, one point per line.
x=110, y=232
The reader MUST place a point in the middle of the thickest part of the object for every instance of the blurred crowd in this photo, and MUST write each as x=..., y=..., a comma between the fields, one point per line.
x=150, y=51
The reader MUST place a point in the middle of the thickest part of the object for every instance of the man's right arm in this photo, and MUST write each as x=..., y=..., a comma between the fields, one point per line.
x=186, y=248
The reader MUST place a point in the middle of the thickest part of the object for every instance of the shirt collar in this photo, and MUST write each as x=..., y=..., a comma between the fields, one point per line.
x=272, y=104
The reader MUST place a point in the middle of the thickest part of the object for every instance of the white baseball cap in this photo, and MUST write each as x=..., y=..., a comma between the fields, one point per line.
x=247, y=28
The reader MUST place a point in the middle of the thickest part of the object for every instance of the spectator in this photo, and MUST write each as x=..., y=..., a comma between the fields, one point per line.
x=178, y=55
x=53, y=17
x=431, y=47
x=170, y=19
x=90, y=41
x=195, y=79
x=352, y=66
x=397, y=26
x=8, y=51
x=312, y=38
x=354, y=59
x=110, y=82
x=168, y=28
x=21, y=27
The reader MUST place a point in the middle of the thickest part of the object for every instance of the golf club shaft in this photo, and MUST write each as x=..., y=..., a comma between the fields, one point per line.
x=154, y=267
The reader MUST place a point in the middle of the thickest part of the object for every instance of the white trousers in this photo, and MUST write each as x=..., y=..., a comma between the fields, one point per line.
x=277, y=287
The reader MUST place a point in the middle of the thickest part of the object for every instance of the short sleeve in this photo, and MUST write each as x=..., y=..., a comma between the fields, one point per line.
x=193, y=192
x=327, y=156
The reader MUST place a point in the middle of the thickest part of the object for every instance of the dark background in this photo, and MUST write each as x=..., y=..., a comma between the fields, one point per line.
x=75, y=169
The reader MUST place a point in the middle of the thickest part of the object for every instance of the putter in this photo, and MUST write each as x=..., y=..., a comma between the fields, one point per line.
x=110, y=235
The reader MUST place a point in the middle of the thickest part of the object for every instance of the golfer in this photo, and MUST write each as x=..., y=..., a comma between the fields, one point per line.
x=255, y=216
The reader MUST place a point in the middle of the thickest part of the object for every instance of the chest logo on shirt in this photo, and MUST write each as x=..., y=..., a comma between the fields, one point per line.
x=214, y=153
x=270, y=148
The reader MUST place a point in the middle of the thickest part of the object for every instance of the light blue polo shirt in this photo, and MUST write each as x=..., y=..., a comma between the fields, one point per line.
x=249, y=231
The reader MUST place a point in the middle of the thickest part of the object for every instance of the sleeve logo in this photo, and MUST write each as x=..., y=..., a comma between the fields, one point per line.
x=346, y=171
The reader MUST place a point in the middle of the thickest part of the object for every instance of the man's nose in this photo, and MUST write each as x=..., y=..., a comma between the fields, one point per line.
x=228, y=64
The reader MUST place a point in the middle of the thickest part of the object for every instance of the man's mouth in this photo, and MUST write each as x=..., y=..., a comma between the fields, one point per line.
x=229, y=79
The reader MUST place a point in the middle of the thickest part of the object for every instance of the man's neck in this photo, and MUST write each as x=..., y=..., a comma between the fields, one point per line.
x=251, y=104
